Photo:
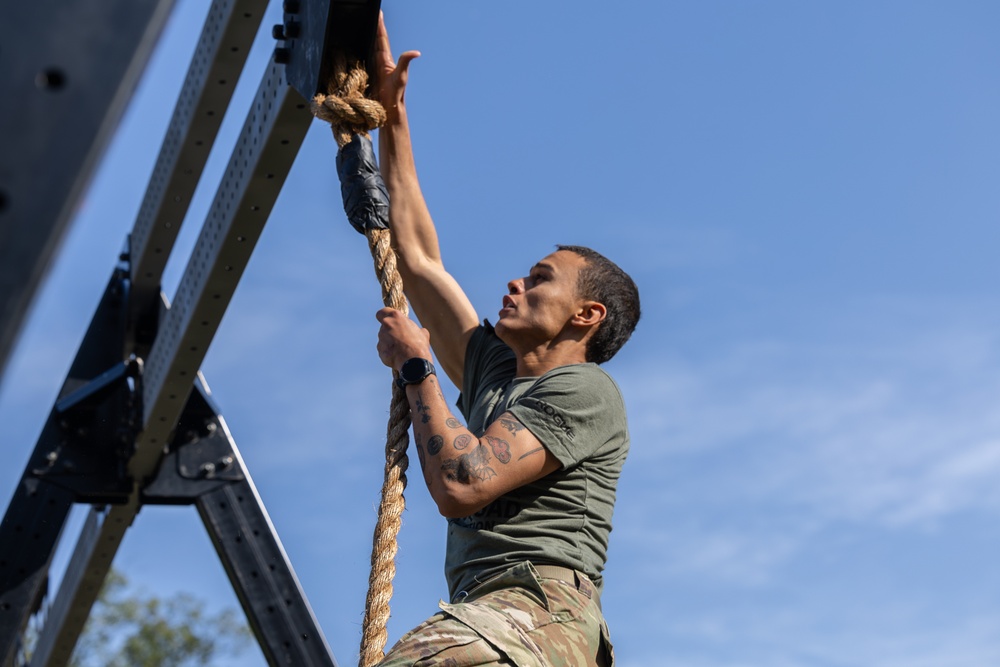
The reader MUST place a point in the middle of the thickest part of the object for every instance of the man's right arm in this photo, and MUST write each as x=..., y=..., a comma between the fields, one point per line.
x=436, y=297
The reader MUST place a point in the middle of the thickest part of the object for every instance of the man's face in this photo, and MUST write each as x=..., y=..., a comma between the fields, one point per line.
x=538, y=307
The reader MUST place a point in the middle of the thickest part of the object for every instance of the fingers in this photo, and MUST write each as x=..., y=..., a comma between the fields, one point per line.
x=400, y=338
x=403, y=66
x=383, y=52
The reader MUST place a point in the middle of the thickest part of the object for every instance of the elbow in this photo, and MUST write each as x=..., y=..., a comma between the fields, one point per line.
x=456, y=503
x=416, y=263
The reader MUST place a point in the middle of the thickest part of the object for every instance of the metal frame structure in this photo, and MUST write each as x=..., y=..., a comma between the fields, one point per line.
x=134, y=423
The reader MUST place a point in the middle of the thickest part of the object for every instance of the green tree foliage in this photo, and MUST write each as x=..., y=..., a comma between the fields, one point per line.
x=130, y=629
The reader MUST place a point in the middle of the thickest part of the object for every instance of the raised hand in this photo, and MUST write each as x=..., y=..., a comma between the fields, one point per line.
x=391, y=76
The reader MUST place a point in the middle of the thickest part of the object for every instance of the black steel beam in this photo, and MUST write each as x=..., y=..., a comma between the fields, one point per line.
x=60, y=465
x=204, y=467
x=67, y=71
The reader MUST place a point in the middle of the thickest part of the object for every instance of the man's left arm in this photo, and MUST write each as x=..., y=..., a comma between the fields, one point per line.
x=463, y=473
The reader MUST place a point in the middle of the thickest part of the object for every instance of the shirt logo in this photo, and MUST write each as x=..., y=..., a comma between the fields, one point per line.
x=557, y=418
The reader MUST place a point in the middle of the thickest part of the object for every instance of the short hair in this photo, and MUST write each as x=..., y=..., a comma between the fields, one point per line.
x=603, y=281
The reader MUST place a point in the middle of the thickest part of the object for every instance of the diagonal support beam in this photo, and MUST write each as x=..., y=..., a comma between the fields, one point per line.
x=264, y=153
x=219, y=57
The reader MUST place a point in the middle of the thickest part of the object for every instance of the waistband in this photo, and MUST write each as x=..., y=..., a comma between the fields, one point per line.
x=525, y=573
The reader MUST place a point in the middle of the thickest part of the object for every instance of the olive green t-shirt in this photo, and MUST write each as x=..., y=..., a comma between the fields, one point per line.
x=578, y=414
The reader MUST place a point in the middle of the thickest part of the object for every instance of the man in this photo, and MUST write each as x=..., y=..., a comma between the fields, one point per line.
x=529, y=486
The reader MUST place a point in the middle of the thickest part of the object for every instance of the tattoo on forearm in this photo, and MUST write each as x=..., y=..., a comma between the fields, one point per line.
x=462, y=441
x=434, y=445
x=451, y=422
x=511, y=425
x=465, y=467
x=500, y=448
x=423, y=410
x=421, y=456
x=533, y=451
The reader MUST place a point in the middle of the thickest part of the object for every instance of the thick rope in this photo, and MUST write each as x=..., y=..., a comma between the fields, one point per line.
x=349, y=112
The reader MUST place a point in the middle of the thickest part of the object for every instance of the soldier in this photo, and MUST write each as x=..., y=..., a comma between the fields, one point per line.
x=528, y=487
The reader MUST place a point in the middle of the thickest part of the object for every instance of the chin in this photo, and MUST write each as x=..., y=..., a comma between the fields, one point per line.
x=502, y=331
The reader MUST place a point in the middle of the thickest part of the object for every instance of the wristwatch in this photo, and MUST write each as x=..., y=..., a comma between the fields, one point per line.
x=414, y=371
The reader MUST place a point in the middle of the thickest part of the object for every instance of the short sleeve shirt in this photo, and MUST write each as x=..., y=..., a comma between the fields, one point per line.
x=578, y=414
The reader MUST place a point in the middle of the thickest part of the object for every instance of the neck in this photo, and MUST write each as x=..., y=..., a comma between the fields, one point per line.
x=538, y=361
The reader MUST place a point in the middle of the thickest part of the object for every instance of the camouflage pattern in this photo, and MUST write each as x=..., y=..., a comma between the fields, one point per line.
x=518, y=619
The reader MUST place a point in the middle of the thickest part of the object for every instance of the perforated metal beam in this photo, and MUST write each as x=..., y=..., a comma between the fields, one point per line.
x=219, y=57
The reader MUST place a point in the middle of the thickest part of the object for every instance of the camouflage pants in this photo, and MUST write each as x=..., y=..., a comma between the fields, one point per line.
x=521, y=618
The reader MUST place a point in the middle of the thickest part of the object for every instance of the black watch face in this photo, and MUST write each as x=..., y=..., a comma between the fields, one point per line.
x=415, y=370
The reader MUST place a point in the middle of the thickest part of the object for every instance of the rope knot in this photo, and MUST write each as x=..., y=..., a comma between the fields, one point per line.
x=345, y=106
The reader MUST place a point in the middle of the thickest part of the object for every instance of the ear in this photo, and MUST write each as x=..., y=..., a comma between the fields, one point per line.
x=589, y=314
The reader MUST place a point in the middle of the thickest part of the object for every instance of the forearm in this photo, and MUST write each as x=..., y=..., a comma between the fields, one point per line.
x=454, y=462
x=413, y=228
x=436, y=298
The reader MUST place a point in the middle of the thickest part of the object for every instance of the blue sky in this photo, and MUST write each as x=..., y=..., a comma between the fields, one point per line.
x=806, y=195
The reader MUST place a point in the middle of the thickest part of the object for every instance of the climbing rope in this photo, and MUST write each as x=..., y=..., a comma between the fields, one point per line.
x=351, y=116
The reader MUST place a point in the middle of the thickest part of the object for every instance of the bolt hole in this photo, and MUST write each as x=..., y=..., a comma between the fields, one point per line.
x=51, y=79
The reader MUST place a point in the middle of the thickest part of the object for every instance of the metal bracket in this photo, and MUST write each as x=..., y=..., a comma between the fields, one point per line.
x=199, y=460
x=313, y=31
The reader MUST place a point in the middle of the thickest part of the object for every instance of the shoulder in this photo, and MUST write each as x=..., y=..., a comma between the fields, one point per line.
x=587, y=382
x=575, y=411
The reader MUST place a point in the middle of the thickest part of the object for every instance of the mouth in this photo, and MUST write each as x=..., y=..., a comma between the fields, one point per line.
x=507, y=305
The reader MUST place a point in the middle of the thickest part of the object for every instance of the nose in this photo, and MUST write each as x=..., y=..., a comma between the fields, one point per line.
x=516, y=286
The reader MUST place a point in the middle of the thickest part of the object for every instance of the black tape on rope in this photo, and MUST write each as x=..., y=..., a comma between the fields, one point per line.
x=366, y=201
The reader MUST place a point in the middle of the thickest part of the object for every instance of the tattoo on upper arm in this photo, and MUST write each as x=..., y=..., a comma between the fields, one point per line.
x=511, y=425
x=421, y=456
x=434, y=445
x=462, y=441
x=500, y=448
x=451, y=422
x=533, y=451
x=465, y=467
